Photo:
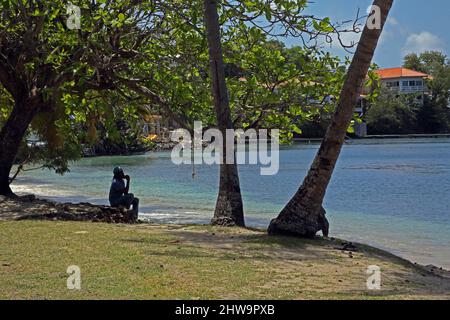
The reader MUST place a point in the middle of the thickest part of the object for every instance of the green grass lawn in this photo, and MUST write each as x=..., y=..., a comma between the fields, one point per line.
x=193, y=262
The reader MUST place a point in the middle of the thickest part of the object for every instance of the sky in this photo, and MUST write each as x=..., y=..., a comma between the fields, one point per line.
x=413, y=26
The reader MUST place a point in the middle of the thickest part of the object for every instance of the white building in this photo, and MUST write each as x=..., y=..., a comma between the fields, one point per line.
x=399, y=80
x=404, y=81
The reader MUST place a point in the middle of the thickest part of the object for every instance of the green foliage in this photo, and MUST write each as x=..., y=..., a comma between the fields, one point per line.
x=6, y=103
x=392, y=114
x=434, y=117
x=92, y=82
x=412, y=61
x=271, y=86
x=282, y=87
x=435, y=64
x=120, y=133
x=70, y=73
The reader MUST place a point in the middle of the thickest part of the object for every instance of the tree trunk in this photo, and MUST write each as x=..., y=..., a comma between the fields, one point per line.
x=304, y=215
x=11, y=136
x=229, y=208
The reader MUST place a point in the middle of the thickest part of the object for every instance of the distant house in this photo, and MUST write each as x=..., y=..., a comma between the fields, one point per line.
x=404, y=81
x=152, y=125
x=156, y=127
x=399, y=80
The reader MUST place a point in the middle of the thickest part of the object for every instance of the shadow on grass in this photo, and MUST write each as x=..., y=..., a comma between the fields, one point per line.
x=232, y=245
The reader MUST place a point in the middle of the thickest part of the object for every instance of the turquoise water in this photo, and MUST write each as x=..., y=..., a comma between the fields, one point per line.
x=394, y=194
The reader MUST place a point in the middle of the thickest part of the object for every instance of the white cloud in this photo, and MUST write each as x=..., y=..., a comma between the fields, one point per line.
x=392, y=21
x=421, y=42
x=392, y=29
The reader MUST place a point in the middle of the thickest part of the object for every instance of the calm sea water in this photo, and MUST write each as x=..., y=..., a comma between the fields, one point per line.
x=393, y=194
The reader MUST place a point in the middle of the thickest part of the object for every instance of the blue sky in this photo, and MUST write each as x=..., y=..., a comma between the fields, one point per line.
x=413, y=26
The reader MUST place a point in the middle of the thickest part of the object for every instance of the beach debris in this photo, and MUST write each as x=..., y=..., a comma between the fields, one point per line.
x=348, y=246
x=27, y=198
x=437, y=271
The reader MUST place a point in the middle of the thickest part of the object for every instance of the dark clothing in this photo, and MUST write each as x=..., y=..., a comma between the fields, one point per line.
x=125, y=201
x=117, y=198
x=116, y=192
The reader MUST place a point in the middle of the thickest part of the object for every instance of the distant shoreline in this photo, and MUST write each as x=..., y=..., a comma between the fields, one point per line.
x=384, y=136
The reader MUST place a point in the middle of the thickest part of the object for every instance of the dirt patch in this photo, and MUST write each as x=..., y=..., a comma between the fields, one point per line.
x=319, y=267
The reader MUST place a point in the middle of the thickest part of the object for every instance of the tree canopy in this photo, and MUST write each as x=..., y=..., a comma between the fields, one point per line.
x=130, y=57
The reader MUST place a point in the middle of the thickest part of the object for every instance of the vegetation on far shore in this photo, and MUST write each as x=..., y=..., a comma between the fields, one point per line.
x=195, y=262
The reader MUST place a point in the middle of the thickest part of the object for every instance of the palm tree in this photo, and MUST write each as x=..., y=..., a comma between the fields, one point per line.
x=229, y=209
x=304, y=215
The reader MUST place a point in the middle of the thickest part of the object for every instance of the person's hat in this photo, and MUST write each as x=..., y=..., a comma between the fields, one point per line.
x=117, y=170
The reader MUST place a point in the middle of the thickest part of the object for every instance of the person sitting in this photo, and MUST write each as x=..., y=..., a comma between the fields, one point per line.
x=119, y=192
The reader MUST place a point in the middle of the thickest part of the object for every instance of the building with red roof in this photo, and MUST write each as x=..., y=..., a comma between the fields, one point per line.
x=400, y=80
x=403, y=80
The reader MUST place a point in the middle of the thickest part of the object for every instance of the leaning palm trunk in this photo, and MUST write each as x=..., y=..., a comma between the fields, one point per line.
x=229, y=209
x=304, y=215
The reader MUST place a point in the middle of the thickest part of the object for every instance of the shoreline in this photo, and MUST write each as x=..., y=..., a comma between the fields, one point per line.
x=29, y=207
x=153, y=261
x=383, y=137
x=163, y=218
x=168, y=146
